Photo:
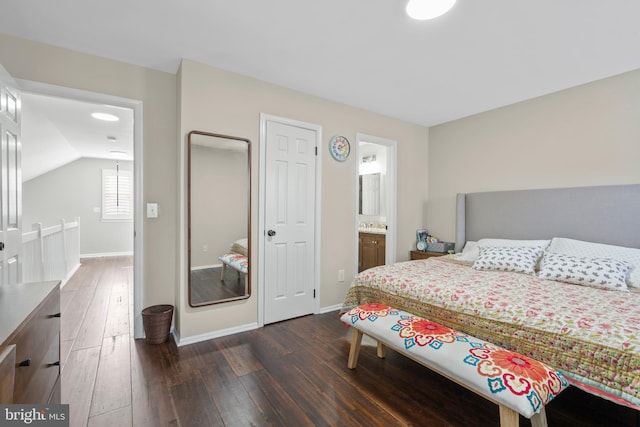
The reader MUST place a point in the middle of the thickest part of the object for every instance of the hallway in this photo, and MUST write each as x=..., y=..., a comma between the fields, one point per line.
x=96, y=337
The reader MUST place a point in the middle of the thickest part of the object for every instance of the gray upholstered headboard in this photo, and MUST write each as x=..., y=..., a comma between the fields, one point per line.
x=605, y=214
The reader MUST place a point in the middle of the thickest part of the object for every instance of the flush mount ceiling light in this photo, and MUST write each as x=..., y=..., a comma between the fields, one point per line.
x=111, y=138
x=428, y=9
x=105, y=116
x=118, y=154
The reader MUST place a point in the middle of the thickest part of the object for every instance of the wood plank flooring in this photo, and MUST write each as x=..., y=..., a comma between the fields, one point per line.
x=290, y=373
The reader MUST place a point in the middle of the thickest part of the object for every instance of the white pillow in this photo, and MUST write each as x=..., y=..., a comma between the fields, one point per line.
x=472, y=254
x=599, y=273
x=578, y=248
x=519, y=259
x=468, y=247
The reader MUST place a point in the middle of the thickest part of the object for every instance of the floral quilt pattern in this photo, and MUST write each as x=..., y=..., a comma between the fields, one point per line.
x=591, y=335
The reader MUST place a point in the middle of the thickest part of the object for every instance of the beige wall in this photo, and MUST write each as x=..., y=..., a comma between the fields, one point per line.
x=219, y=213
x=587, y=135
x=43, y=63
x=217, y=101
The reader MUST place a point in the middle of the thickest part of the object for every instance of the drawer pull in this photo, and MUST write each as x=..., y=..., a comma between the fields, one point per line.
x=54, y=364
x=25, y=363
x=55, y=315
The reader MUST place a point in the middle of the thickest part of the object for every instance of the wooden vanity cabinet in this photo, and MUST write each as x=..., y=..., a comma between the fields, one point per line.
x=371, y=250
x=30, y=321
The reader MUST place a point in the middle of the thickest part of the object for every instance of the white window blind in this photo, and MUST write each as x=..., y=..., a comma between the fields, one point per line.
x=117, y=195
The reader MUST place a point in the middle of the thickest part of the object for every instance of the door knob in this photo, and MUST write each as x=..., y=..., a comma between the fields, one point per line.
x=271, y=233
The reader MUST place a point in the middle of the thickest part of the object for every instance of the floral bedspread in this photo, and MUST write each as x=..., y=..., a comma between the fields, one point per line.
x=591, y=335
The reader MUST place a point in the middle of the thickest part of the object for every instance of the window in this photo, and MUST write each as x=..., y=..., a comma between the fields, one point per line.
x=117, y=195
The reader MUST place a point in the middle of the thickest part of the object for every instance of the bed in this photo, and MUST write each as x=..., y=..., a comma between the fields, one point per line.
x=589, y=331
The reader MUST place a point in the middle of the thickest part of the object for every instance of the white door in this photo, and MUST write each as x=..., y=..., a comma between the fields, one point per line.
x=289, y=216
x=10, y=181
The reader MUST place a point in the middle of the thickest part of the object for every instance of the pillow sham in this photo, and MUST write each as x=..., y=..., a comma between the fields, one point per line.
x=579, y=248
x=472, y=254
x=601, y=273
x=516, y=259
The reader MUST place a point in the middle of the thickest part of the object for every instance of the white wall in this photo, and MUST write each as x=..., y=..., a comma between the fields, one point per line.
x=73, y=190
x=587, y=135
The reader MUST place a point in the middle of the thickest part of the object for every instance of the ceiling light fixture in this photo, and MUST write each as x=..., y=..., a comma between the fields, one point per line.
x=111, y=138
x=118, y=154
x=428, y=9
x=105, y=116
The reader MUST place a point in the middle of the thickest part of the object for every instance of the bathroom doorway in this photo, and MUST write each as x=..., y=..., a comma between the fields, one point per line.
x=375, y=229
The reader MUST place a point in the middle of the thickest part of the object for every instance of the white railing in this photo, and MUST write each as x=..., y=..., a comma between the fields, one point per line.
x=51, y=253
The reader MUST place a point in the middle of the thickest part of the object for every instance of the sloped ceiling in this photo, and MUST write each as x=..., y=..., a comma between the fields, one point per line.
x=57, y=131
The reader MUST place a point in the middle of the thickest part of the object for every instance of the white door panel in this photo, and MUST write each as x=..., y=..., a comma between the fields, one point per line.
x=289, y=221
x=10, y=181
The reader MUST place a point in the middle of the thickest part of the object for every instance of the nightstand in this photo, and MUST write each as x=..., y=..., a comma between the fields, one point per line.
x=423, y=255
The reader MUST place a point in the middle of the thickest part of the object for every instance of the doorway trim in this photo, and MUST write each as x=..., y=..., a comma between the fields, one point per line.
x=138, y=164
x=259, y=288
x=392, y=199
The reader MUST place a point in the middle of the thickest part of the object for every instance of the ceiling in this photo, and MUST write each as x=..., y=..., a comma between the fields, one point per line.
x=365, y=53
x=56, y=131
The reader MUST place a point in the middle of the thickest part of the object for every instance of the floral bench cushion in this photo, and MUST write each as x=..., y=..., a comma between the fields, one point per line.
x=505, y=377
x=236, y=261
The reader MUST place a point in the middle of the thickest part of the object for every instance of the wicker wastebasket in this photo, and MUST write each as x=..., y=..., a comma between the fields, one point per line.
x=157, y=323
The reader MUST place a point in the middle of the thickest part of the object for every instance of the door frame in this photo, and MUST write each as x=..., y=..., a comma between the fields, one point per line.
x=138, y=164
x=259, y=287
x=391, y=237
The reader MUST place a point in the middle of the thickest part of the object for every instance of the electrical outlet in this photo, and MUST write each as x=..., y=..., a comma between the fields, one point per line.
x=340, y=275
x=205, y=248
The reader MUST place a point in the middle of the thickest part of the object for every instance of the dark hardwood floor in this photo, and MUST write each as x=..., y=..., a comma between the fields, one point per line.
x=291, y=373
x=206, y=285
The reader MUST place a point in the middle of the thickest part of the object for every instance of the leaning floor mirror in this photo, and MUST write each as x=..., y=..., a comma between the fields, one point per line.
x=219, y=206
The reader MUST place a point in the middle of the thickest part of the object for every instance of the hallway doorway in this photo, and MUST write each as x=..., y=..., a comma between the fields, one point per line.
x=122, y=148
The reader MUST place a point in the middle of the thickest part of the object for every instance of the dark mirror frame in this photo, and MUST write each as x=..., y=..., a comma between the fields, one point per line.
x=248, y=276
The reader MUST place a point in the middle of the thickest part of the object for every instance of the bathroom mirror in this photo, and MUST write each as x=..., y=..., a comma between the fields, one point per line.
x=219, y=194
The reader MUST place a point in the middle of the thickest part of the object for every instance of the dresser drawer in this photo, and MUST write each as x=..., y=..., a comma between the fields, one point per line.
x=38, y=346
x=42, y=377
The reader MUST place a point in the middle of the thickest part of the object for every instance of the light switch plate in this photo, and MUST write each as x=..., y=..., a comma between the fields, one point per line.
x=152, y=210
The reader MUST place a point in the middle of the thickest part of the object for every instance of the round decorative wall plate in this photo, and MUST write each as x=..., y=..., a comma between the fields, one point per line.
x=339, y=148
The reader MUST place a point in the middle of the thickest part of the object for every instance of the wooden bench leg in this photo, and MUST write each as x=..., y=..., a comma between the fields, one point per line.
x=509, y=417
x=539, y=419
x=354, y=352
x=380, y=350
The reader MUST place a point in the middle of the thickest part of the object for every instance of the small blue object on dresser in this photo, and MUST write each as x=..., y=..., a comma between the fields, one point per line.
x=442, y=247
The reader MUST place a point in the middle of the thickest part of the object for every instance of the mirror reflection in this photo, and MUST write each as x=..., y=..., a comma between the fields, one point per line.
x=219, y=206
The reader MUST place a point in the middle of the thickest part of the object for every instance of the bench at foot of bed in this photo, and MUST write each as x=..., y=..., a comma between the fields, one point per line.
x=516, y=383
x=236, y=261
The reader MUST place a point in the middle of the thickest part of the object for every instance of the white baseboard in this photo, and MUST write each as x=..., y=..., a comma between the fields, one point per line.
x=70, y=275
x=330, y=308
x=211, y=335
x=106, y=254
x=202, y=267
